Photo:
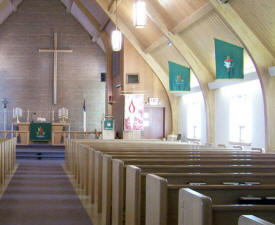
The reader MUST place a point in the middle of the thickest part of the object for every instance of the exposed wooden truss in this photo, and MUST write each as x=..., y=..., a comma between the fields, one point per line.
x=262, y=58
x=197, y=15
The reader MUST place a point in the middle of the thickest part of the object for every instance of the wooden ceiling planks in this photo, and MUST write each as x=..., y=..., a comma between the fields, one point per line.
x=200, y=37
x=260, y=17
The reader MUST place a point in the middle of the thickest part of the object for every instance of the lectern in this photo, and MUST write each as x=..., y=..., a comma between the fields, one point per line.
x=24, y=132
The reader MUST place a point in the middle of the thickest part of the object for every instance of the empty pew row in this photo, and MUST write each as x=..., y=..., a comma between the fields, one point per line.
x=100, y=188
x=136, y=182
x=7, y=160
x=90, y=180
x=118, y=183
x=158, y=190
x=196, y=208
x=69, y=154
x=119, y=145
x=252, y=220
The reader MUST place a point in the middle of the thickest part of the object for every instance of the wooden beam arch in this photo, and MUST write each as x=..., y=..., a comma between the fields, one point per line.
x=262, y=59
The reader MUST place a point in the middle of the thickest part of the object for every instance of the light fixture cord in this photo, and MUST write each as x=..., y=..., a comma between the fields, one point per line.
x=116, y=14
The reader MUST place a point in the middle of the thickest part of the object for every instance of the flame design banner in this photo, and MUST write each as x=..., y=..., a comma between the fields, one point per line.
x=133, y=112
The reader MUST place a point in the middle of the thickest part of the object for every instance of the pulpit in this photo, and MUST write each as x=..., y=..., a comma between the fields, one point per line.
x=57, y=132
x=108, y=129
x=23, y=132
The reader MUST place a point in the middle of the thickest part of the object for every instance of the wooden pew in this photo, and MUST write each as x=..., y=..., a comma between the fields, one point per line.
x=198, y=209
x=118, y=179
x=252, y=220
x=136, y=182
x=79, y=173
x=118, y=187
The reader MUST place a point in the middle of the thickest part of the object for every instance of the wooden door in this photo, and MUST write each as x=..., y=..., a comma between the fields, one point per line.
x=154, y=122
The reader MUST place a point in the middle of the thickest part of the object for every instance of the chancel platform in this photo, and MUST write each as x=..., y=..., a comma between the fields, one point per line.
x=40, y=132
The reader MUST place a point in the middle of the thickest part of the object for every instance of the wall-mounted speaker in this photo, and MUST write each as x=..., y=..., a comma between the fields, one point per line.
x=103, y=77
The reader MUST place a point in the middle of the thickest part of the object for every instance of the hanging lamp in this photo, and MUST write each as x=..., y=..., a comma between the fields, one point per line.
x=116, y=37
x=139, y=13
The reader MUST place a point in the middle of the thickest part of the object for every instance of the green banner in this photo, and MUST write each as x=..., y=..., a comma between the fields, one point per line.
x=179, y=77
x=40, y=131
x=229, y=60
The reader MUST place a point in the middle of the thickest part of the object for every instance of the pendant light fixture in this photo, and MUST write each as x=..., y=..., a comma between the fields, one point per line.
x=116, y=37
x=139, y=13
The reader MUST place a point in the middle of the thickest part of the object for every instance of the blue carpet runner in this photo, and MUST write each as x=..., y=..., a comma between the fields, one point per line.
x=40, y=193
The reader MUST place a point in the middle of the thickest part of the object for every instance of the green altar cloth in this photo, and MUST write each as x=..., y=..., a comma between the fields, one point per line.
x=40, y=131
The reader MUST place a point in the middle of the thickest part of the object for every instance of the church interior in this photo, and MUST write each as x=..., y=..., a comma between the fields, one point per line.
x=137, y=112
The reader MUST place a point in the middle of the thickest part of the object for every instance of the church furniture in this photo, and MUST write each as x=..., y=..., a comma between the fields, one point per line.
x=56, y=136
x=119, y=179
x=168, y=193
x=79, y=168
x=24, y=132
x=7, y=161
x=136, y=181
x=198, y=209
x=103, y=187
x=252, y=220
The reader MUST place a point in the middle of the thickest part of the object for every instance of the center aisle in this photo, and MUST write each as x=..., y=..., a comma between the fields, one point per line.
x=41, y=193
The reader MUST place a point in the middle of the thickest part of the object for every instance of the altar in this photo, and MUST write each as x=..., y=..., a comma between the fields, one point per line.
x=40, y=126
x=37, y=132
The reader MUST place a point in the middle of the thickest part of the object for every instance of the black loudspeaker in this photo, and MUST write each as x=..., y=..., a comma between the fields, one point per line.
x=103, y=77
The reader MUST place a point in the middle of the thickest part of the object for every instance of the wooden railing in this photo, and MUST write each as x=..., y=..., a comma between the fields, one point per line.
x=7, y=162
x=58, y=137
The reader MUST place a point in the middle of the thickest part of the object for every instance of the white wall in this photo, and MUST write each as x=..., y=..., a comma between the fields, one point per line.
x=183, y=110
x=223, y=96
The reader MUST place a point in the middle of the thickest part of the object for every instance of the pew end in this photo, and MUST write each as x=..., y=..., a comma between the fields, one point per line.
x=252, y=220
x=117, y=189
x=156, y=200
x=198, y=212
x=133, y=201
x=106, y=189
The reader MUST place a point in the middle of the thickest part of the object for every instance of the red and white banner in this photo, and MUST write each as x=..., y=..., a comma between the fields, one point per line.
x=133, y=112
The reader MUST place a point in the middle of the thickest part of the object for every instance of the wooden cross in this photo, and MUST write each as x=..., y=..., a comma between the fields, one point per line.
x=55, y=53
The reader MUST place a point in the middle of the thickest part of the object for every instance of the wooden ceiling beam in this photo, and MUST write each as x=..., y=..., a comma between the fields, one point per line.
x=91, y=18
x=262, y=59
x=149, y=59
x=183, y=25
x=193, y=18
x=112, y=6
x=105, y=24
x=203, y=74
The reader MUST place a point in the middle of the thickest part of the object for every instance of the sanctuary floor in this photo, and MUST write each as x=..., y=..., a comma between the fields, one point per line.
x=41, y=193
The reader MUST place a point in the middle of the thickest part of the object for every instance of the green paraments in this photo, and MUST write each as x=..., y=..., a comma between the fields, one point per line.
x=179, y=77
x=40, y=131
x=229, y=60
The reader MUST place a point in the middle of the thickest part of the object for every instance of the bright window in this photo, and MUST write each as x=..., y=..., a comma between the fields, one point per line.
x=194, y=111
x=240, y=119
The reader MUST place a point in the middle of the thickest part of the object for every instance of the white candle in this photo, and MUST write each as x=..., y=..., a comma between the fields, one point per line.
x=28, y=116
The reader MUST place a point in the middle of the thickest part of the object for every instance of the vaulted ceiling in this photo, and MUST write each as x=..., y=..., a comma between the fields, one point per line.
x=194, y=21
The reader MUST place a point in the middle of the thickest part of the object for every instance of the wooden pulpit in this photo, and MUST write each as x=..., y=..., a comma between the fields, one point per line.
x=57, y=132
x=24, y=132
